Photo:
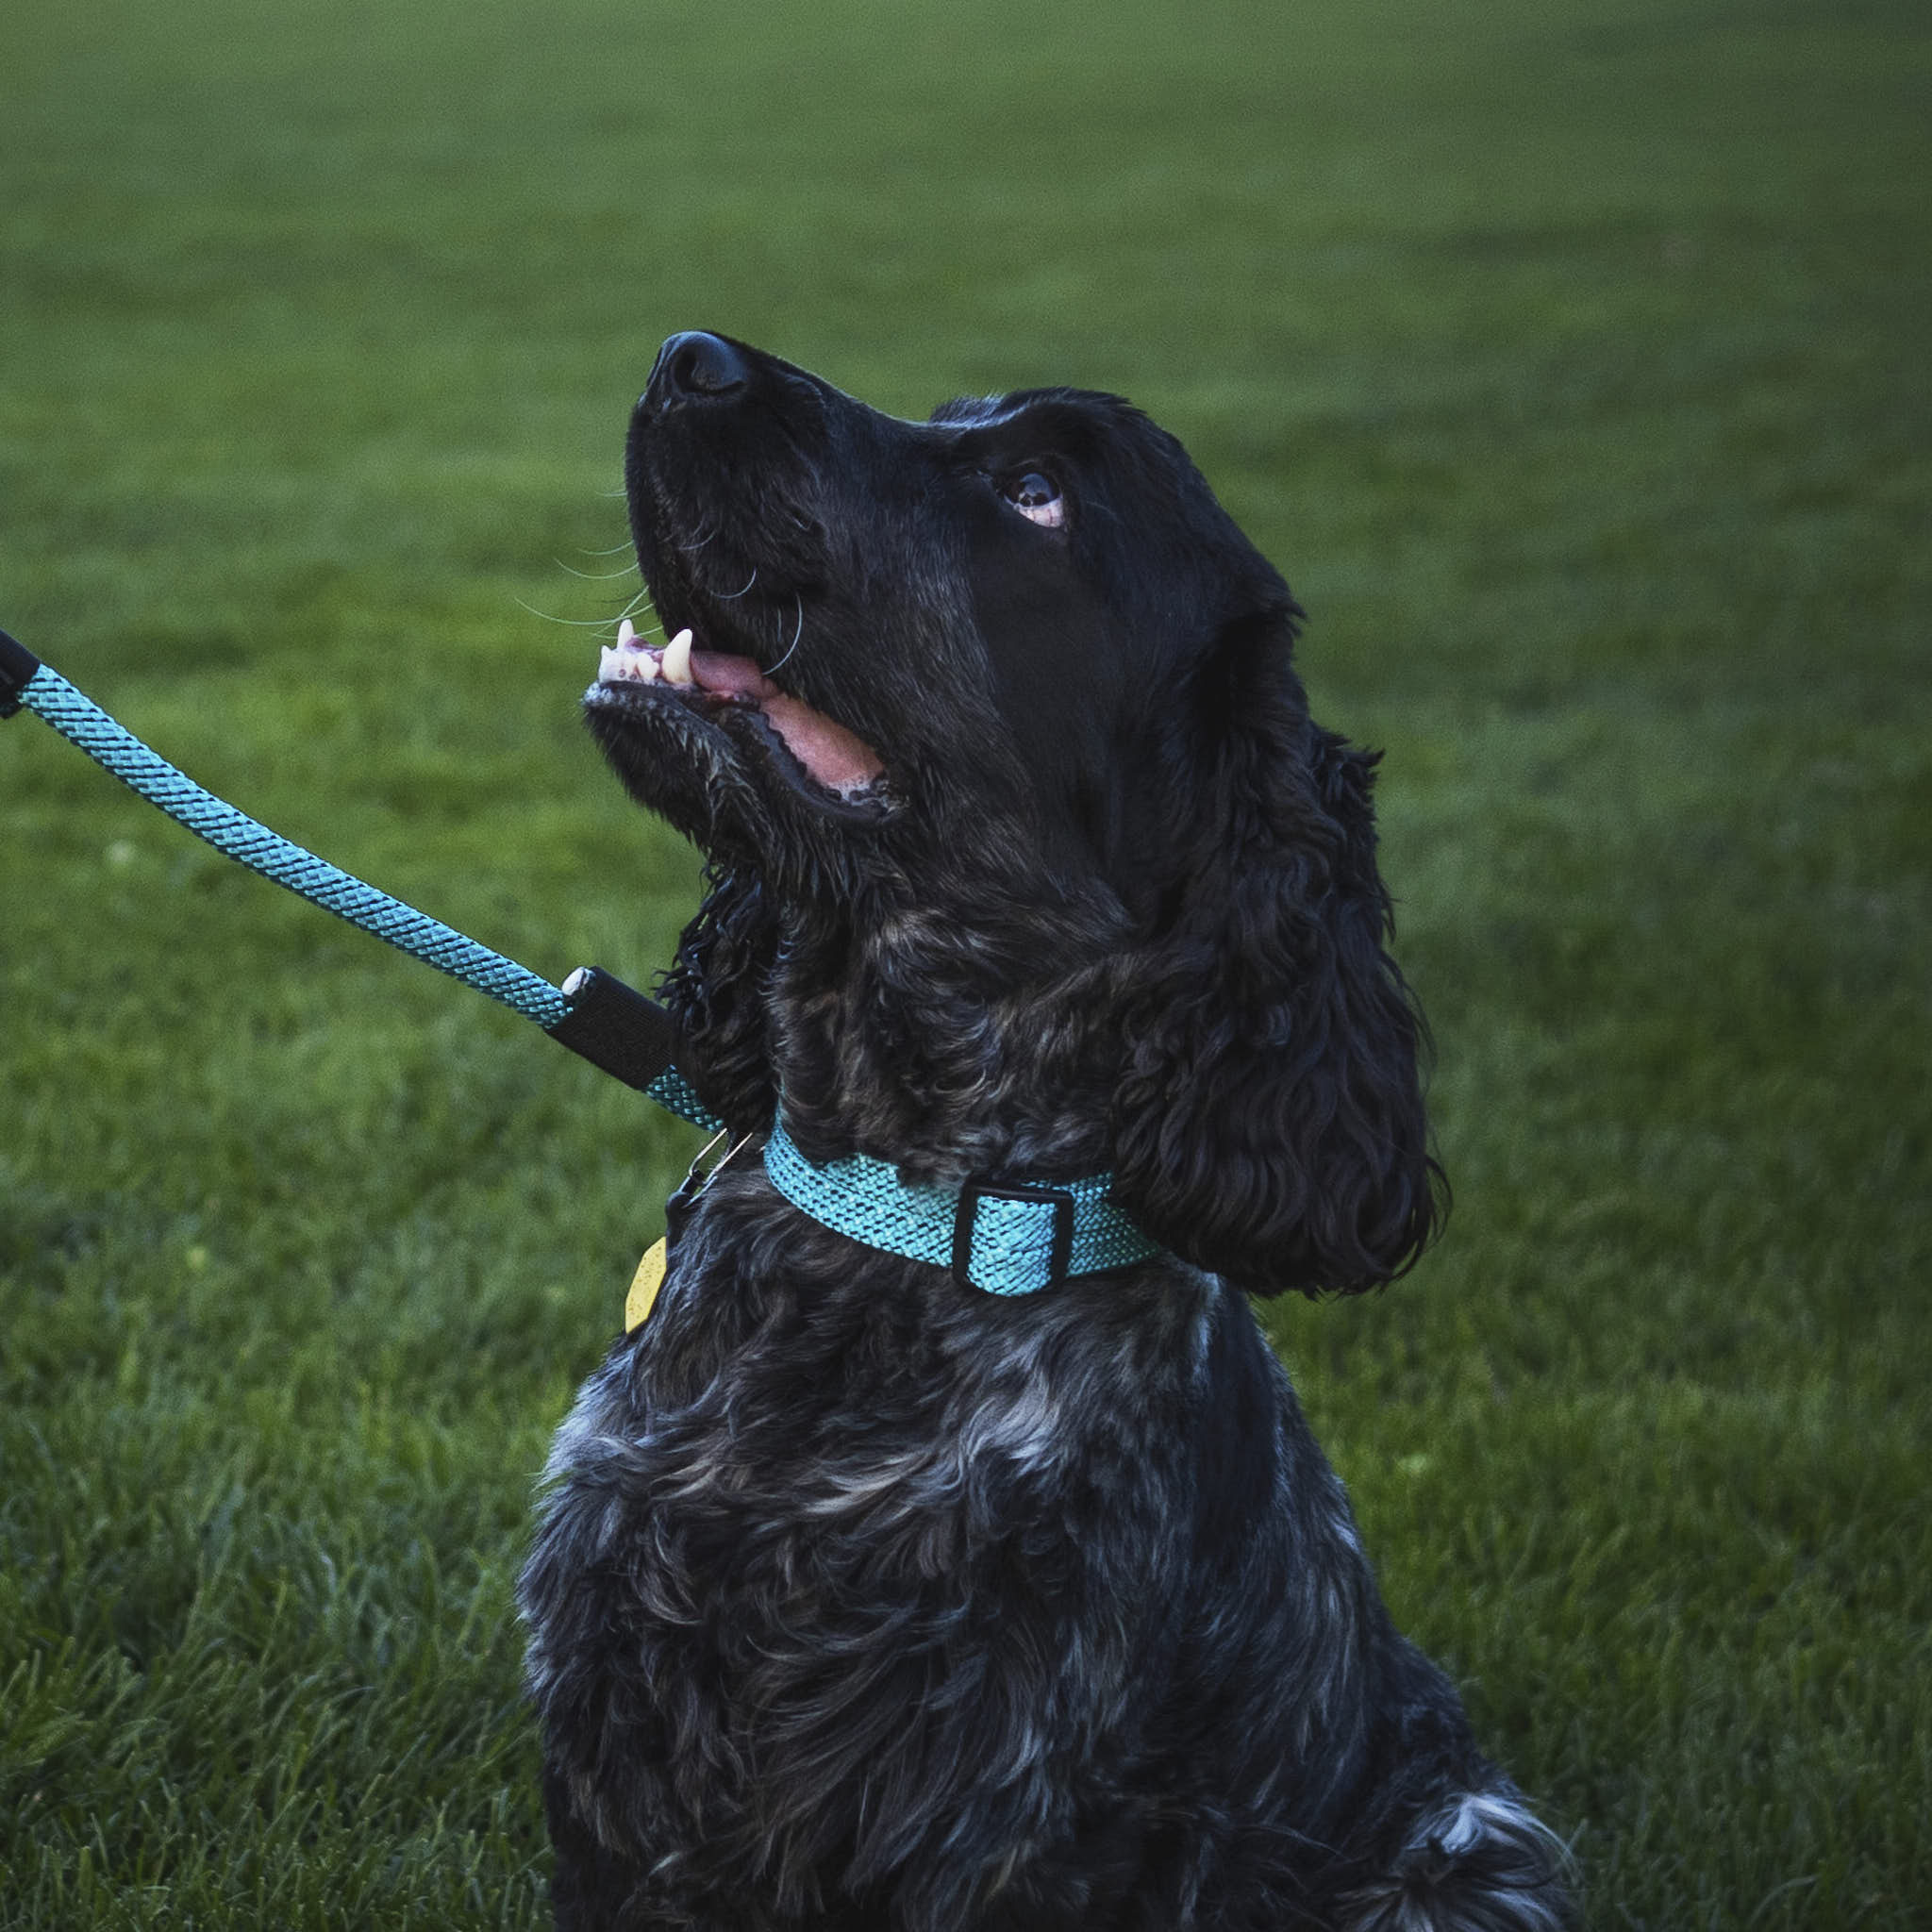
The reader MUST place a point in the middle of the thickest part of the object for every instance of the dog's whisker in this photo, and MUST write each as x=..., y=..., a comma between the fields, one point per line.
x=732, y=596
x=596, y=576
x=574, y=622
x=797, y=632
x=595, y=623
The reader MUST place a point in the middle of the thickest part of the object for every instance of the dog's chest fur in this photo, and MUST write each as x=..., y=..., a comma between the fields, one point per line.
x=839, y=1577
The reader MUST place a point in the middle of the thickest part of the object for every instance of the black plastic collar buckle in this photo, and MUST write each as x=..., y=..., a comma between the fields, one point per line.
x=981, y=1188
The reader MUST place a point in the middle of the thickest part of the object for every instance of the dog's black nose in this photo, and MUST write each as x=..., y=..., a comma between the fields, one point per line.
x=700, y=366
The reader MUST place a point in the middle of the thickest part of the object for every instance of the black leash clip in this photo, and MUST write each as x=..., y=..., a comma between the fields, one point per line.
x=684, y=1197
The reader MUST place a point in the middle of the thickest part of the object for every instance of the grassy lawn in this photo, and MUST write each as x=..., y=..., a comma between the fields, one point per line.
x=1570, y=358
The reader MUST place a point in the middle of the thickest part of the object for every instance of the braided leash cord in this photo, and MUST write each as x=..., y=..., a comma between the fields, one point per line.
x=237, y=835
x=676, y=1094
x=77, y=718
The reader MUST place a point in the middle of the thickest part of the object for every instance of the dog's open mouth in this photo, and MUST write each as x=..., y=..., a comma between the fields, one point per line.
x=834, y=759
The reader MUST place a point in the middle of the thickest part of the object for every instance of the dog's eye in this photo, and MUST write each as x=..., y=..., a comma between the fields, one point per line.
x=1037, y=497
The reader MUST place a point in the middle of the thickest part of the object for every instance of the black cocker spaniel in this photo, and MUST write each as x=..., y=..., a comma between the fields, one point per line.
x=863, y=1596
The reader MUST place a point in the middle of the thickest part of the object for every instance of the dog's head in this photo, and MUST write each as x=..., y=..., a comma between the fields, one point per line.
x=1026, y=852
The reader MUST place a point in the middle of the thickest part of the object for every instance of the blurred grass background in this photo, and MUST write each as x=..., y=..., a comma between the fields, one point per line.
x=1569, y=359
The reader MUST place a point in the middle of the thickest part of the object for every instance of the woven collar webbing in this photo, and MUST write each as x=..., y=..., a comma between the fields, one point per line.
x=1007, y=1237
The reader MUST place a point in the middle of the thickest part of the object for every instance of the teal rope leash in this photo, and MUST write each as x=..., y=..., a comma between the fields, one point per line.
x=593, y=1013
x=1001, y=1235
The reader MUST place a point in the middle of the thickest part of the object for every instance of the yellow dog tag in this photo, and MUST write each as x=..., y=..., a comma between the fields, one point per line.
x=644, y=1285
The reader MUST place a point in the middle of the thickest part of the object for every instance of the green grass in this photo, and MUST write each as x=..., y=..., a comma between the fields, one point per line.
x=1572, y=361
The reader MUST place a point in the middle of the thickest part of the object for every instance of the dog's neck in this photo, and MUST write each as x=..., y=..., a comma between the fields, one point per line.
x=922, y=1045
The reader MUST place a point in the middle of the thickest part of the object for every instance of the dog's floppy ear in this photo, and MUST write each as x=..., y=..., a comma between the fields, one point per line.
x=1269, y=1123
x=717, y=990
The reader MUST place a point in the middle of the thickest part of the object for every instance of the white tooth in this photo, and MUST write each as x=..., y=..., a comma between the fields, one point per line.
x=678, y=658
x=607, y=665
x=627, y=634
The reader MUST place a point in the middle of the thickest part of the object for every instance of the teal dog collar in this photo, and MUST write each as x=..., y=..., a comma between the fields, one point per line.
x=1007, y=1237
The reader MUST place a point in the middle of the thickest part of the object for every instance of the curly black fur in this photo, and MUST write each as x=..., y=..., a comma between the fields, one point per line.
x=860, y=1598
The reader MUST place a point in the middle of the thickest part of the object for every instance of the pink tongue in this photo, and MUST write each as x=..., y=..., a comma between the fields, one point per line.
x=833, y=755
x=730, y=677
x=829, y=752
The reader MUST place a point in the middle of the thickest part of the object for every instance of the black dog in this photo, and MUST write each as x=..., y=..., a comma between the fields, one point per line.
x=866, y=1598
